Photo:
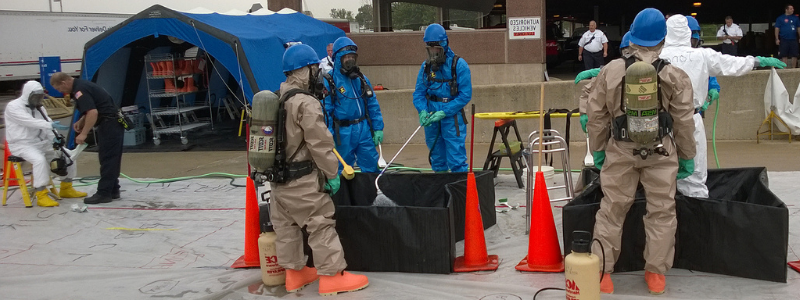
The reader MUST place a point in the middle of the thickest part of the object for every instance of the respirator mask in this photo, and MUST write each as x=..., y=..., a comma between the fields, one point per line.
x=36, y=99
x=436, y=55
x=350, y=64
x=315, y=85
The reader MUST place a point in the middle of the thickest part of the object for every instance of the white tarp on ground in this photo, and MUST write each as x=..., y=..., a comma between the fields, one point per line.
x=776, y=98
x=177, y=241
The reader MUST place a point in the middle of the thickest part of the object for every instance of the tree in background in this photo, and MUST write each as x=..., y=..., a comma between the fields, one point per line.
x=364, y=16
x=415, y=16
x=342, y=14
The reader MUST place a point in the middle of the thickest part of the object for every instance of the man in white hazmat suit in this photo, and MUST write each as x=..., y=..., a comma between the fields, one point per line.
x=699, y=64
x=30, y=136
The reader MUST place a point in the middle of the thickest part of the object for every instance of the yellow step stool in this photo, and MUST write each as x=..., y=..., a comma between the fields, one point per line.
x=15, y=162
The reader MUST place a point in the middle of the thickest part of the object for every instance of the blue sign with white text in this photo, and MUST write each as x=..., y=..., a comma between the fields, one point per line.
x=47, y=66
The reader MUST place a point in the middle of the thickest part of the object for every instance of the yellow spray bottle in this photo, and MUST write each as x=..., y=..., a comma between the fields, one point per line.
x=582, y=269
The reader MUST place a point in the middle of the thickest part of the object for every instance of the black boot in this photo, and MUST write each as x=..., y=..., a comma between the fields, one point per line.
x=115, y=195
x=97, y=198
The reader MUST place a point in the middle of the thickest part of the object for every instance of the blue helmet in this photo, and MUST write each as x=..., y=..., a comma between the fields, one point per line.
x=342, y=43
x=649, y=28
x=693, y=24
x=626, y=41
x=434, y=33
x=299, y=56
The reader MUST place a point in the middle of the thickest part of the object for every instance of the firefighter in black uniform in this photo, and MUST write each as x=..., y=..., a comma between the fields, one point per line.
x=97, y=110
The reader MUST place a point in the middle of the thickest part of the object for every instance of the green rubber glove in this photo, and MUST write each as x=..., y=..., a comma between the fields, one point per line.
x=599, y=159
x=685, y=167
x=378, y=137
x=436, y=117
x=584, y=120
x=713, y=95
x=770, y=62
x=423, y=118
x=333, y=185
x=587, y=74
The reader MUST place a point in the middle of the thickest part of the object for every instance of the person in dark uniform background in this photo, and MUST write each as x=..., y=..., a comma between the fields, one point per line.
x=97, y=110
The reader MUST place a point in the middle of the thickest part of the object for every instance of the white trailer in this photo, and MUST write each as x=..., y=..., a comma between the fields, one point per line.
x=27, y=35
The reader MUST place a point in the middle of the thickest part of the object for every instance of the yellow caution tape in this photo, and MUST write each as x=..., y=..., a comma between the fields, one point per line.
x=518, y=115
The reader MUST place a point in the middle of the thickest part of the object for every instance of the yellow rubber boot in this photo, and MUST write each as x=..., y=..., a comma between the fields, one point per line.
x=66, y=191
x=42, y=199
x=341, y=282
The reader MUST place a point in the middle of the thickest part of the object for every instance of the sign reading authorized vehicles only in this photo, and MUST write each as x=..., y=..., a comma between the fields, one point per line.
x=526, y=28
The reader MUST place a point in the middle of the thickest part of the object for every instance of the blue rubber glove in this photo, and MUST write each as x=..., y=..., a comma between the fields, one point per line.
x=333, y=185
x=599, y=159
x=423, y=118
x=584, y=120
x=587, y=74
x=377, y=138
x=770, y=62
x=685, y=167
x=57, y=126
x=436, y=117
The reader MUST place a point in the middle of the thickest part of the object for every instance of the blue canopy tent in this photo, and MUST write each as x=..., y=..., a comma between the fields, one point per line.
x=249, y=46
x=245, y=50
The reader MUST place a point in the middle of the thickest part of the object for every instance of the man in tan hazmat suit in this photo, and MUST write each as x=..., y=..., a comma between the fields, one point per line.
x=622, y=170
x=304, y=202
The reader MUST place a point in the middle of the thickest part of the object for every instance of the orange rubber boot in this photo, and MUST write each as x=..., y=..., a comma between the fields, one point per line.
x=169, y=85
x=656, y=283
x=296, y=280
x=606, y=285
x=341, y=282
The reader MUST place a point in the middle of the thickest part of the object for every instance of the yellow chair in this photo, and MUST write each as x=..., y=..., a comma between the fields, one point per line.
x=15, y=162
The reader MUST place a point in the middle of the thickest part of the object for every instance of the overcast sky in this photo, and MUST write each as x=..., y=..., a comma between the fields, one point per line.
x=320, y=8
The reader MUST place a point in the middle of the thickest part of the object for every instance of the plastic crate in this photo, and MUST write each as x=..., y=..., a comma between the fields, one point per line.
x=135, y=136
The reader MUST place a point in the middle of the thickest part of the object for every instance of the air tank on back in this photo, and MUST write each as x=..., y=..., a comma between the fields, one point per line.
x=263, y=130
x=641, y=102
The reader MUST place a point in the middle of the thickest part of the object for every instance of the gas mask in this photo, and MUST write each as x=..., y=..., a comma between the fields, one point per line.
x=59, y=166
x=35, y=99
x=350, y=66
x=315, y=85
x=696, y=41
x=436, y=55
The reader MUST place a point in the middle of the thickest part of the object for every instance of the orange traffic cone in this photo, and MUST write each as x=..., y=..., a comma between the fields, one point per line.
x=252, y=229
x=795, y=265
x=544, y=252
x=8, y=172
x=475, y=257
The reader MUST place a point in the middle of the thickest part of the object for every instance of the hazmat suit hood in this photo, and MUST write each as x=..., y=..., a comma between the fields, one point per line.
x=31, y=87
x=26, y=126
x=298, y=79
x=678, y=32
x=645, y=54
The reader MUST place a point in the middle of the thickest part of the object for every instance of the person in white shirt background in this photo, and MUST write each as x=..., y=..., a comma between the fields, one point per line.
x=326, y=64
x=595, y=44
x=730, y=34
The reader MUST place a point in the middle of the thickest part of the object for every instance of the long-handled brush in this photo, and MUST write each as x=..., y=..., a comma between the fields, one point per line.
x=381, y=199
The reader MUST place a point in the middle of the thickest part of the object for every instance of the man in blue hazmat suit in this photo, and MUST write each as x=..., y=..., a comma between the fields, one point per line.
x=353, y=114
x=444, y=87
